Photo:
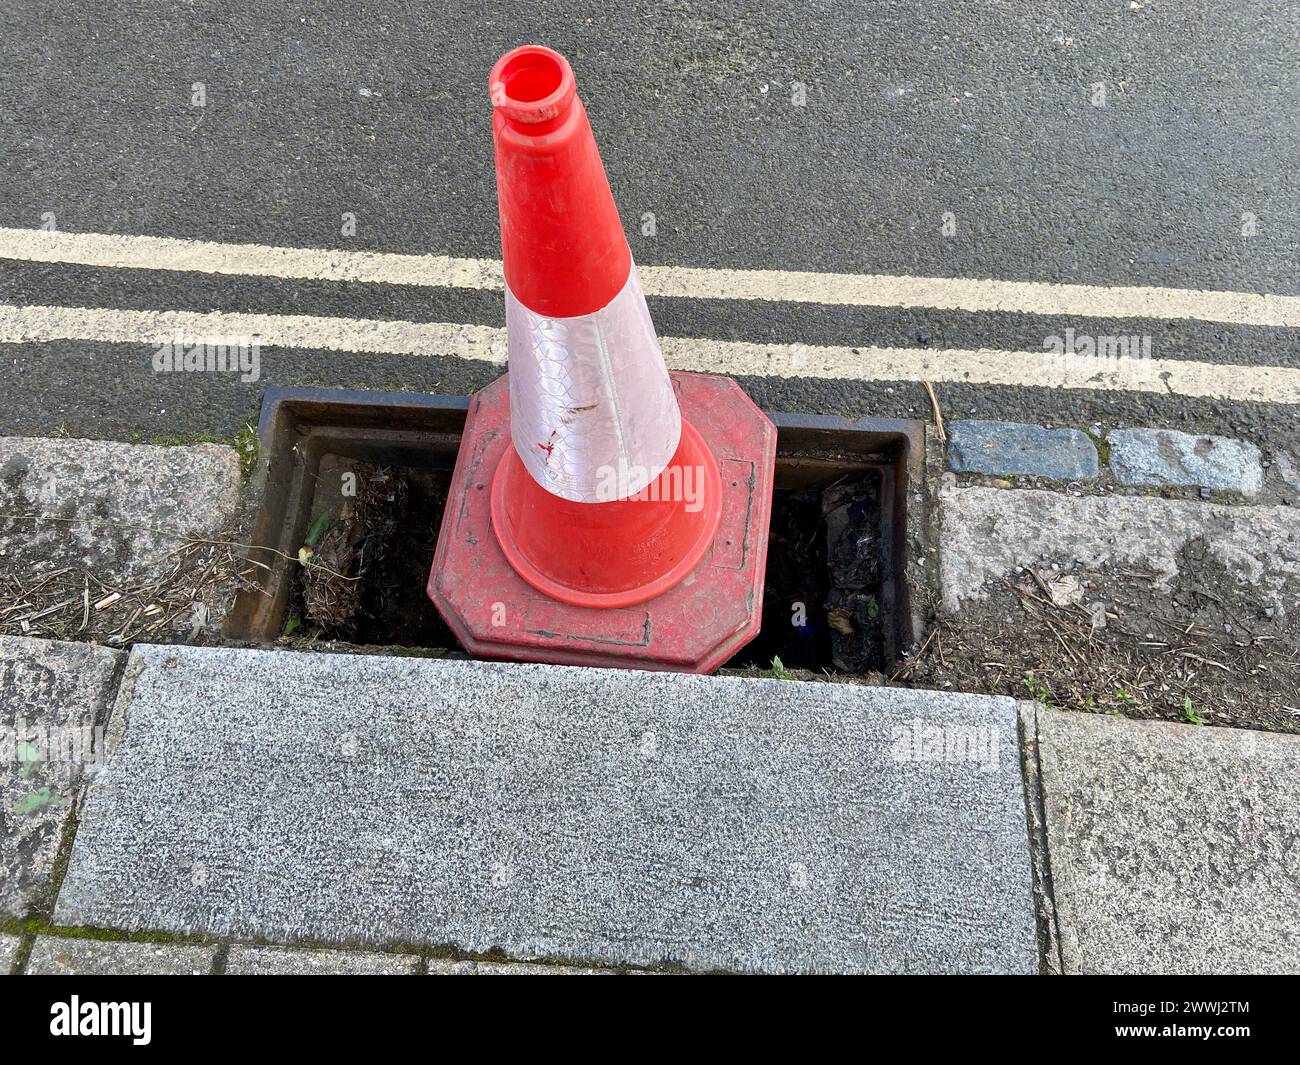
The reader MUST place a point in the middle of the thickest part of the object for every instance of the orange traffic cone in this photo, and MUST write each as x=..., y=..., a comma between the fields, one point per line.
x=585, y=508
x=608, y=497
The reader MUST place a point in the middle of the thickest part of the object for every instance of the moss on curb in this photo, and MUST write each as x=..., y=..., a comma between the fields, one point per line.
x=1103, y=447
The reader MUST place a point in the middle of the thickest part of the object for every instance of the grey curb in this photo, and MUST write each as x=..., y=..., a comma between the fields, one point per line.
x=1166, y=457
x=120, y=511
x=1005, y=449
x=988, y=532
x=1137, y=457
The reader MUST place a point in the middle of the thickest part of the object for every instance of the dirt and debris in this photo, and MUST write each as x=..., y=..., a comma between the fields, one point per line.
x=171, y=599
x=795, y=628
x=351, y=548
x=364, y=581
x=821, y=591
x=853, y=536
x=1204, y=650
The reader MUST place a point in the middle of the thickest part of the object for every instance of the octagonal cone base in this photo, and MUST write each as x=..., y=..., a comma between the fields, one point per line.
x=693, y=627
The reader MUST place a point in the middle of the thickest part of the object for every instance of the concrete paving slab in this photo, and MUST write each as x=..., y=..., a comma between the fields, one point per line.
x=8, y=952
x=59, y=956
x=560, y=813
x=53, y=709
x=116, y=512
x=1172, y=847
x=444, y=967
x=285, y=961
x=987, y=532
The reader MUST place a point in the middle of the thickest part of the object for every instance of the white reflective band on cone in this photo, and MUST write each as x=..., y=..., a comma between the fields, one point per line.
x=592, y=410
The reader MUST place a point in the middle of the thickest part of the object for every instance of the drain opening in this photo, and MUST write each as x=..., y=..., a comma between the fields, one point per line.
x=365, y=580
x=835, y=598
x=822, y=589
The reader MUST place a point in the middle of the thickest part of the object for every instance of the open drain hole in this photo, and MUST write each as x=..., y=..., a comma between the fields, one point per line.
x=377, y=466
x=822, y=588
x=377, y=527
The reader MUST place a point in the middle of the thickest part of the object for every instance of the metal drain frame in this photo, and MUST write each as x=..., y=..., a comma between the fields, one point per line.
x=298, y=426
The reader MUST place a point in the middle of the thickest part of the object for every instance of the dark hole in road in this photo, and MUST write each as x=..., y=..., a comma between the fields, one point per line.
x=373, y=556
x=822, y=587
x=378, y=465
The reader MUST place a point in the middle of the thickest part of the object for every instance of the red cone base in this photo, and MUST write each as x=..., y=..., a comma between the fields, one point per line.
x=642, y=583
x=609, y=554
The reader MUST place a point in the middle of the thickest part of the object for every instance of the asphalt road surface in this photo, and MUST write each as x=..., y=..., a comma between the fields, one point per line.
x=1095, y=143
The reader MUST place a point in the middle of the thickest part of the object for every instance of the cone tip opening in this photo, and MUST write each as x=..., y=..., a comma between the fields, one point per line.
x=532, y=84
